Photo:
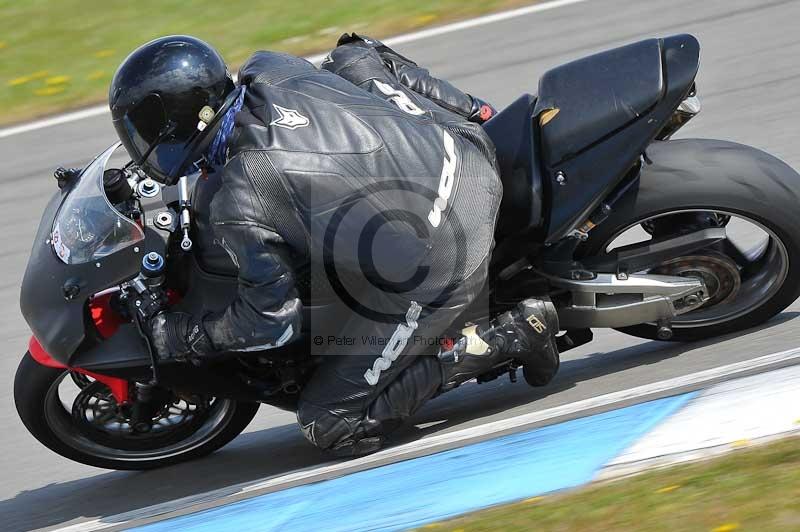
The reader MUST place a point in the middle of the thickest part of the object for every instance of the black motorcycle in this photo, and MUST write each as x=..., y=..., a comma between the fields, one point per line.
x=622, y=227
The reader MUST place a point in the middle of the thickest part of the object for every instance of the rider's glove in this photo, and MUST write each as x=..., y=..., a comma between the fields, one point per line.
x=481, y=111
x=178, y=336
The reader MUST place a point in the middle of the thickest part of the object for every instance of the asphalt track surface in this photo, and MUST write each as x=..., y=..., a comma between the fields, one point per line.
x=748, y=85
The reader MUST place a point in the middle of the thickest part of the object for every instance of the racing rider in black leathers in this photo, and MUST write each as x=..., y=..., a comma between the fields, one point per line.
x=368, y=173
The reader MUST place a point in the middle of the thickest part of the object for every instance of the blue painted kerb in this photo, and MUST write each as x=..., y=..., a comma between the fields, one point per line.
x=431, y=488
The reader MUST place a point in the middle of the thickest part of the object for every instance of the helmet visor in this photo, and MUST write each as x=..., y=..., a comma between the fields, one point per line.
x=144, y=126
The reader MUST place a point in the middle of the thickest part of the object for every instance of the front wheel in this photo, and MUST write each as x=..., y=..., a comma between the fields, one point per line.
x=692, y=184
x=80, y=420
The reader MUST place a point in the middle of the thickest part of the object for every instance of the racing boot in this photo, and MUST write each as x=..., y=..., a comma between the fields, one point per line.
x=526, y=333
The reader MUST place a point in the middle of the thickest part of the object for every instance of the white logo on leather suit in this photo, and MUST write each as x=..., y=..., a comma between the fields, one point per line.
x=289, y=118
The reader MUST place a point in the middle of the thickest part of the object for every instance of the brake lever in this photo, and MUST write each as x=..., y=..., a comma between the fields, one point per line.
x=137, y=320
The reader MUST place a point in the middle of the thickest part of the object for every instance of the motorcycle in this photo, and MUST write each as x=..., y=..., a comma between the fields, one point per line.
x=620, y=225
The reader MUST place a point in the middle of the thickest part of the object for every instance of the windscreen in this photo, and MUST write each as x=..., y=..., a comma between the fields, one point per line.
x=87, y=226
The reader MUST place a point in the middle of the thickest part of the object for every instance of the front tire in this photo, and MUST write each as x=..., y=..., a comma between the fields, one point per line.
x=39, y=407
x=709, y=175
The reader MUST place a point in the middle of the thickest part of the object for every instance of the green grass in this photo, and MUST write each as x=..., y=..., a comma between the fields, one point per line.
x=59, y=54
x=756, y=488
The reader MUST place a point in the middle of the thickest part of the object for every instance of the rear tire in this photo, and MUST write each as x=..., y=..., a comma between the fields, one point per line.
x=32, y=391
x=713, y=175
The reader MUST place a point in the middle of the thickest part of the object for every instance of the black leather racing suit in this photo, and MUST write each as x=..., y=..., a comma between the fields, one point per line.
x=366, y=173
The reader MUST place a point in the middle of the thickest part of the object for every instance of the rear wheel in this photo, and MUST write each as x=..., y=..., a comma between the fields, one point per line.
x=80, y=420
x=755, y=272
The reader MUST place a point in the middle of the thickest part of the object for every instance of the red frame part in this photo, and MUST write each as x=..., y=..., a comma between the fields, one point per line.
x=105, y=319
x=119, y=387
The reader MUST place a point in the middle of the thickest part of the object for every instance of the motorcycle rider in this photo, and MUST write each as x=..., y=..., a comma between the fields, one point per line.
x=368, y=168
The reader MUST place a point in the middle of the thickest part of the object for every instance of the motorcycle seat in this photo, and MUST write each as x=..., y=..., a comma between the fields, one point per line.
x=585, y=101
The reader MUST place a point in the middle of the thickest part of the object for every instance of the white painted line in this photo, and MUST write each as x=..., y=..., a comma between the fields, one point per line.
x=392, y=41
x=405, y=451
x=743, y=410
x=54, y=121
x=617, y=471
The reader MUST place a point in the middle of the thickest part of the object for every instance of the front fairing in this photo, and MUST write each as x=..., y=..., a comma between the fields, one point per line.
x=60, y=278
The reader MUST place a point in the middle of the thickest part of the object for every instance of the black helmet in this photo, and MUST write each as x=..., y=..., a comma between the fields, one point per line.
x=166, y=100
